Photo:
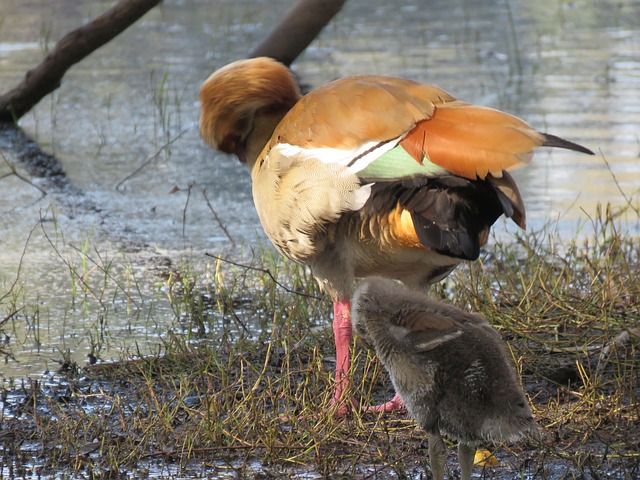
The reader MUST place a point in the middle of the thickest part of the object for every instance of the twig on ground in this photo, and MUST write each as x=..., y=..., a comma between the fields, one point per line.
x=266, y=271
x=206, y=199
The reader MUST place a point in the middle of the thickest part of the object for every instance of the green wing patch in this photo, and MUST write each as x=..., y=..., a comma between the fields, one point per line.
x=397, y=163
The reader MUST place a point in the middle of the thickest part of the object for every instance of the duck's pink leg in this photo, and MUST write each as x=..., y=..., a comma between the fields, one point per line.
x=395, y=403
x=343, y=336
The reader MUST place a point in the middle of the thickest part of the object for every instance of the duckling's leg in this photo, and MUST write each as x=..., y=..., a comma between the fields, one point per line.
x=466, y=457
x=437, y=455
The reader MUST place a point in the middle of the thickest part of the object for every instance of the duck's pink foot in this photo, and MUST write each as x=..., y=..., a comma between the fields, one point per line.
x=395, y=403
x=343, y=405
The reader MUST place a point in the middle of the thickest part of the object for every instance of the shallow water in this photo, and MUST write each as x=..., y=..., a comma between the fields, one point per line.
x=569, y=68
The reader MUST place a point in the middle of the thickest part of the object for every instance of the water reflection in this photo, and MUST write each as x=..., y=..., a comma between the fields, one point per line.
x=570, y=68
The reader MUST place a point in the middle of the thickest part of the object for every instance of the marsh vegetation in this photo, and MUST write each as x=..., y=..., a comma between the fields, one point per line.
x=245, y=352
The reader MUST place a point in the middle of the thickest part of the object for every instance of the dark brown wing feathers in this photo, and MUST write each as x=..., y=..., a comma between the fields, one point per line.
x=450, y=214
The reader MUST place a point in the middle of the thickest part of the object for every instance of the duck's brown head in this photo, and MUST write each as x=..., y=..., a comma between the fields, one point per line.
x=241, y=104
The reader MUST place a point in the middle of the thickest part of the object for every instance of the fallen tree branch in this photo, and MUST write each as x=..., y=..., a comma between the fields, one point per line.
x=299, y=27
x=73, y=47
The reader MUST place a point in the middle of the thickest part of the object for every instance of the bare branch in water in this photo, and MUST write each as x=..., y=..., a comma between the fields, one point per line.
x=222, y=225
x=14, y=172
x=622, y=192
x=299, y=27
x=150, y=159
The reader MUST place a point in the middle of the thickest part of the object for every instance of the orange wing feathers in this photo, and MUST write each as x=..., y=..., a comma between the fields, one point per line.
x=467, y=140
x=472, y=141
x=348, y=112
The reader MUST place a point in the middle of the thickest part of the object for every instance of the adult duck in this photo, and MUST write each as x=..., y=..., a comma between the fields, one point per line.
x=368, y=175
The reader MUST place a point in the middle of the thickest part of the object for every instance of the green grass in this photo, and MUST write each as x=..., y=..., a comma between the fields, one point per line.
x=246, y=352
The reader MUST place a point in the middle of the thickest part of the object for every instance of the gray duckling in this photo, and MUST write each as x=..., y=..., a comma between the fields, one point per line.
x=448, y=366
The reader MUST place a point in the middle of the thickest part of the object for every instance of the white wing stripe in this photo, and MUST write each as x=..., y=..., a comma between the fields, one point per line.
x=365, y=154
x=366, y=159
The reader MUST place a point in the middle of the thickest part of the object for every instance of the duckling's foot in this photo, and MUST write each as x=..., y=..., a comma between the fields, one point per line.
x=395, y=403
